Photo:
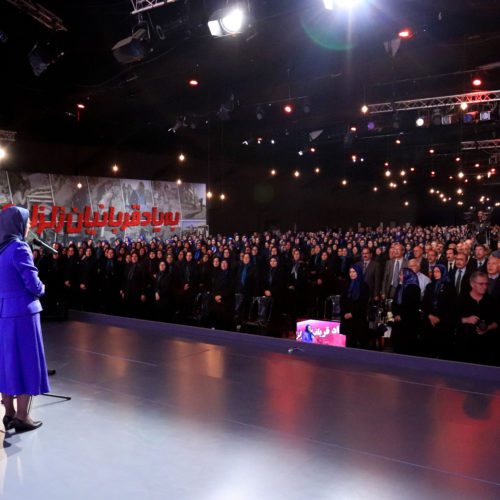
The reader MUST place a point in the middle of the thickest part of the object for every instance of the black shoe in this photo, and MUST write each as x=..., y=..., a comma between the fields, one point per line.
x=8, y=422
x=22, y=426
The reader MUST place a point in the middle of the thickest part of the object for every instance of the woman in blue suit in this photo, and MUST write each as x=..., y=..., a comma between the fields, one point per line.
x=23, y=371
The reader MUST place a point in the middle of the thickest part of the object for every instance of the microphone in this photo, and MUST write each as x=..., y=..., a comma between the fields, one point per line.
x=44, y=245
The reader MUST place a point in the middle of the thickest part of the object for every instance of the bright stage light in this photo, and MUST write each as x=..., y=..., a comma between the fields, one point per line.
x=209, y=194
x=181, y=157
x=273, y=172
x=463, y=106
x=364, y=109
x=296, y=173
x=193, y=83
x=115, y=168
x=179, y=182
x=222, y=197
x=227, y=21
x=79, y=185
x=288, y=109
x=341, y=4
x=406, y=33
x=477, y=82
x=344, y=182
x=3, y=153
x=420, y=122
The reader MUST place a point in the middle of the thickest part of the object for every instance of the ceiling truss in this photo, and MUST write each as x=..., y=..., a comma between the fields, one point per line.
x=435, y=102
x=480, y=145
x=40, y=14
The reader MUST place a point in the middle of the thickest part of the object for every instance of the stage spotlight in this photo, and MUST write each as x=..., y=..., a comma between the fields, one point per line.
x=228, y=21
x=477, y=82
x=344, y=182
x=79, y=185
x=406, y=33
x=364, y=109
x=273, y=172
x=407, y=203
x=209, y=194
x=296, y=173
x=222, y=196
x=133, y=48
x=463, y=106
x=115, y=168
x=3, y=153
x=179, y=182
x=288, y=109
x=420, y=122
x=317, y=170
x=181, y=157
x=193, y=83
x=340, y=4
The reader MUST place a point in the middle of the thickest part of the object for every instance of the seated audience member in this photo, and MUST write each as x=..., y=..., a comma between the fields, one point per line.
x=438, y=307
x=478, y=322
x=423, y=280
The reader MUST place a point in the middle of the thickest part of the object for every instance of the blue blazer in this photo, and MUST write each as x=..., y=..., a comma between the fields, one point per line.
x=19, y=283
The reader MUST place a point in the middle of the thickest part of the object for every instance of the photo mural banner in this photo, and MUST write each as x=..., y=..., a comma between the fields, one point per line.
x=105, y=208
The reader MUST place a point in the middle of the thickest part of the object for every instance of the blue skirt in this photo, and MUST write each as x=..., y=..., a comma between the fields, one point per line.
x=22, y=359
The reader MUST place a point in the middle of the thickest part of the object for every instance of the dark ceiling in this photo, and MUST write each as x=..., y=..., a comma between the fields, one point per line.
x=295, y=51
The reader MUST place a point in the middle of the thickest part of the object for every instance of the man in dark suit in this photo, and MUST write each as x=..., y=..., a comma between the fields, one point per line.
x=479, y=260
x=392, y=269
x=493, y=269
x=451, y=253
x=460, y=276
x=418, y=253
x=371, y=272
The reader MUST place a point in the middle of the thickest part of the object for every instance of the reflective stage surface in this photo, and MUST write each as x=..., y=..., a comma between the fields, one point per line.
x=155, y=416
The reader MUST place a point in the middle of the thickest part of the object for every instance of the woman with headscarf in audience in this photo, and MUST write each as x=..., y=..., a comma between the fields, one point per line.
x=439, y=300
x=222, y=294
x=353, y=306
x=406, y=311
x=88, y=280
x=162, y=293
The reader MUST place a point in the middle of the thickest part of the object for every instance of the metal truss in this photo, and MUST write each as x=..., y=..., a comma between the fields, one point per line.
x=40, y=13
x=7, y=136
x=435, y=102
x=139, y=6
x=480, y=145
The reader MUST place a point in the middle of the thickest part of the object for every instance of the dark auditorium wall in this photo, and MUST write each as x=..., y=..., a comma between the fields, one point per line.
x=255, y=200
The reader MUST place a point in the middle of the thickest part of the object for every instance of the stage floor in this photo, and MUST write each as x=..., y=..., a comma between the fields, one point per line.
x=155, y=416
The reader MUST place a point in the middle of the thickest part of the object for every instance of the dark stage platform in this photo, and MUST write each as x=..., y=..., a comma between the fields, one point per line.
x=171, y=412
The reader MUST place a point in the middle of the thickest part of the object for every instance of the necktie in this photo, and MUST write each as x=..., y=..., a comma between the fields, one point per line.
x=458, y=283
x=365, y=265
x=395, y=276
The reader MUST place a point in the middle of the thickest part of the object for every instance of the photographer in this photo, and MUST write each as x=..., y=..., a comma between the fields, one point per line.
x=478, y=321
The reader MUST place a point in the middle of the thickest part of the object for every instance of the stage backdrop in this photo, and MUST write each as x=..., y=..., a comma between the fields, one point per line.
x=105, y=208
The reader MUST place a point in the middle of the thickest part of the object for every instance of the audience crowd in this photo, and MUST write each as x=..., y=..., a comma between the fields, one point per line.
x=436, y=290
